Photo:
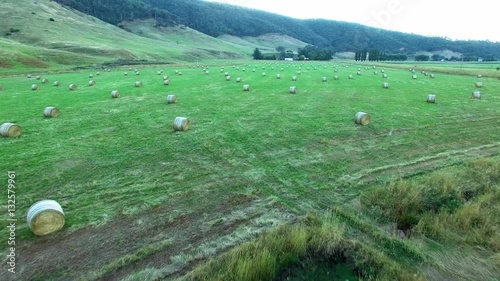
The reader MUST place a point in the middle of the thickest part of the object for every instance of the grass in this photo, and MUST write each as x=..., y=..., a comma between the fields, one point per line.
x=103, y=158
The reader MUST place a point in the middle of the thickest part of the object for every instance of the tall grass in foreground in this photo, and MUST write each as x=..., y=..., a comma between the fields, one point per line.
x=312, y=239
x=461, y=207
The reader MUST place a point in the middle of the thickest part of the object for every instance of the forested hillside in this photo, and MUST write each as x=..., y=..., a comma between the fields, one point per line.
x=217, y=19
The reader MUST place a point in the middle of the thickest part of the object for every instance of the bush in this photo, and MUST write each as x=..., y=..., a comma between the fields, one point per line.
x=51, y=19
x=13, y=30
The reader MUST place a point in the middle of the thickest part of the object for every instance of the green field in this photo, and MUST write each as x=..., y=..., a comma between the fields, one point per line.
x=144, y=202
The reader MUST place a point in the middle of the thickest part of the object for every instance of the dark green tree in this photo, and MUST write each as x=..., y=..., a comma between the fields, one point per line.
x=257, y=54
x=421, y=57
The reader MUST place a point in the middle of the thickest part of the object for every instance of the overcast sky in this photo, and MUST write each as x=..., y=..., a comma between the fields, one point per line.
x=458, y=20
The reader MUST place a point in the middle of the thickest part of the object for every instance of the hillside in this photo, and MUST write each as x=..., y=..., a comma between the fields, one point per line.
x=43, y=33
x=217, y=19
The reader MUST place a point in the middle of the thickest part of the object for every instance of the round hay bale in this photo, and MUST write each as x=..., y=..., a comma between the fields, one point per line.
x=125, y=73
x=137, y=73
x=1, y=87
x=159, y=72
x=45, y=217
x=350, y=76
x=171, y=99
x=91, y=83
x=323, y=79
x=91, y=75
x=476, y=95
x=10, y=130
x=206, y=72
x=335, y=70
x=97, y=73
x=179, y=73
x=138, y=83
x=56, y=83
x=362, y=118
x=383, y=71
x=263, y=74
x=115, y=94
x=431, y=98
x=165, y=77
x=384, y=76
x=166, y=82
x=375, y=72
x=293, y=90
x=358, y=73
x=226, y=73
x=34, y=87
x=130, y=69
x=243, y=69
x=414, y=77
x=479, y=76
x=386, y=85
x=28, y=76
x=238, y=79
x=336, y=77
x=45, y=81
x=108, y=70
x=181, y=124
x=479, y=84
x=38, y=77
x=246, y=87
x=294, y=78
x=278, y=76
x=72, y=87
x=51, y=112
x=228, y=78
x=431, y=76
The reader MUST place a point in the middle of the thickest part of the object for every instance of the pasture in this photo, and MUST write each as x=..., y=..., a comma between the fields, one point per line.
x=138, y=195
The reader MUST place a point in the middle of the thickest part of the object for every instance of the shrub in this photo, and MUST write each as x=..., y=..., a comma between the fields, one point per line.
x=51, y=19
x=13, y=30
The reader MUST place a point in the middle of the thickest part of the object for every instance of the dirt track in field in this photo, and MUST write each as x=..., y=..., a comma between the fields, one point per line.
x=187, y=220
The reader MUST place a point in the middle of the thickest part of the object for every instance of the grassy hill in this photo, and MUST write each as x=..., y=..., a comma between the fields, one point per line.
x=43, y=33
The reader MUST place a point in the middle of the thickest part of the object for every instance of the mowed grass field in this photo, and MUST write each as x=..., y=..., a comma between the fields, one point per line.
x=119, y=169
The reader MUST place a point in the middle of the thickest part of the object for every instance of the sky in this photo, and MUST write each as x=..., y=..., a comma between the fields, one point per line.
x=456, y=20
